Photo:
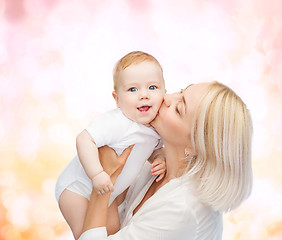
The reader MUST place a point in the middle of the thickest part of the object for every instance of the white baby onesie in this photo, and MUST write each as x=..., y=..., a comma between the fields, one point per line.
x=118, y=132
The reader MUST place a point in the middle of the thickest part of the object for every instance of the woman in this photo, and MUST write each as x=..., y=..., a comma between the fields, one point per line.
x=206, y=130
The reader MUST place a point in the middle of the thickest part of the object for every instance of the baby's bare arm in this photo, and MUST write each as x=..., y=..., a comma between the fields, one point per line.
x=88, y=154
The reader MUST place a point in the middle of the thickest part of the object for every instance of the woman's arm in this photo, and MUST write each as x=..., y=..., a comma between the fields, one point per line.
x=96, y=215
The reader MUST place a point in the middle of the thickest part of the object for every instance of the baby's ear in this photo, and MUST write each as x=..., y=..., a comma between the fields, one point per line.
x=114, y=94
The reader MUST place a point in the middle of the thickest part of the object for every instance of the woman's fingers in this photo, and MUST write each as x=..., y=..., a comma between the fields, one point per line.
x=121, y=160
x=111, y=188
x=125, y=154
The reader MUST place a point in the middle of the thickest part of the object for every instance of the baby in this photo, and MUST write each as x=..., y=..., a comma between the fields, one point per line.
x=138, y=91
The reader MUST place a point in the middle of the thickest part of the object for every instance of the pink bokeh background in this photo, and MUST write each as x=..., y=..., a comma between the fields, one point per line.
x=56, y=61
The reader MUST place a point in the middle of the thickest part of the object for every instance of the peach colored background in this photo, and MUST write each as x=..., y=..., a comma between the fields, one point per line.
x=56, y=60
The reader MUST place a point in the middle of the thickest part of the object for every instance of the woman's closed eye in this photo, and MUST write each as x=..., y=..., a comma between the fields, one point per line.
x=180, y=107
x=182, y=103
x=177, y=109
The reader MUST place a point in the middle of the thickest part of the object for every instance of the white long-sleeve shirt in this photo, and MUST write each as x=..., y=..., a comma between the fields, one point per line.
x=173, y=213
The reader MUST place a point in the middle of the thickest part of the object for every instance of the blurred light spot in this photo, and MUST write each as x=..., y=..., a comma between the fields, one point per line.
x=28, y=142
x=2, y=131
x=46, y=233
x=38, y=8
x=19, y=210
x=48, y=186
x=28, y=67
x=7, y=179
x=267, y=197
x=76, y=107
x=59, y=134
x=260, y=134
x=67, y=235
x=46, y=83
x=3, y=53
x=274, y=59
x=49, y=109
x=2, y=7
x=7, y=197
x=10, y=232
x=31, y=115
x=14, y=10
x=256, y=99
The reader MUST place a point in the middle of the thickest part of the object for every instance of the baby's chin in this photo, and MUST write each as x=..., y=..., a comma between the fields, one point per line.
x=147, y=123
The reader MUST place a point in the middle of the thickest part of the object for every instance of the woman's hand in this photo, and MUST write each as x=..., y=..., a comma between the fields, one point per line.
x=111, y=162
x=96, y=214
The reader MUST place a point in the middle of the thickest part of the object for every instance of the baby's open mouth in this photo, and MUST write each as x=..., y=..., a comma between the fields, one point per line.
x=143, y=108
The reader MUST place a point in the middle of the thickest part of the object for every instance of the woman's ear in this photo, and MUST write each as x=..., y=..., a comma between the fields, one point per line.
x=114, y=94
x=189, y=151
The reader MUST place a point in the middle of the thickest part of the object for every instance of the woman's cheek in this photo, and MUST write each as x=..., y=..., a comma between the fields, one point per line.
x=171, y=122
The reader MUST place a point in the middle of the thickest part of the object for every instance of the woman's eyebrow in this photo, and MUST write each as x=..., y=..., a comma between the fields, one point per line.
x=188, y=86
x=183, y=99
x=184, y=102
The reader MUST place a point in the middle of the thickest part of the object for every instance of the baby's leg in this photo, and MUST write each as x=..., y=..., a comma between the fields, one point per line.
x=113, y=223
x=73, y=207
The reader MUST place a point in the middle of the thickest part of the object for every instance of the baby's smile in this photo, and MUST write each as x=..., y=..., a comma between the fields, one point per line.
x=144, y=108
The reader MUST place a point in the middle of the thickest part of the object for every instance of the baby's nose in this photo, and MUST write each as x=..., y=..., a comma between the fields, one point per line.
x=143, y=94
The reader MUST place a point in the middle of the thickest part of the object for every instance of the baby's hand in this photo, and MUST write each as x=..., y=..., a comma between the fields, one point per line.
x=159, y=167
x=102, y=183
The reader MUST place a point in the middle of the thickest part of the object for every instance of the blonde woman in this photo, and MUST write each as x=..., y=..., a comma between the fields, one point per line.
x=206, y=129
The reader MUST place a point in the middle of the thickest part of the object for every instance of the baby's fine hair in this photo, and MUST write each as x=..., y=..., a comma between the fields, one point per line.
x=134, y=57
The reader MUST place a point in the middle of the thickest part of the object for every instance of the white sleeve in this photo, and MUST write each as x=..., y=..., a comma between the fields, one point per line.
x=163, y=220
x=108, y=128
x=95, y=233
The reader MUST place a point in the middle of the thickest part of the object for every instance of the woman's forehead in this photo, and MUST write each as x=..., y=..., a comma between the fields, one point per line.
x=194, y=92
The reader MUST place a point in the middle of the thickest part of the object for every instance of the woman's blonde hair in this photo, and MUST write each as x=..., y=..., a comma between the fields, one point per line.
x=134, y=57
x=221, y=135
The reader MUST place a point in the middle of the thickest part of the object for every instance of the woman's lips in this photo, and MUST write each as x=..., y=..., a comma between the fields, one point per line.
x=143, y=108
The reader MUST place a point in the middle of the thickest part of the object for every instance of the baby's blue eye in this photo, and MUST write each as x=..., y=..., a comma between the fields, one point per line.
x=152, y=87
x=133, y=89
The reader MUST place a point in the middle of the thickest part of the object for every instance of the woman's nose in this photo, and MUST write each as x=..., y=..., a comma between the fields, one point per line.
x=167, y=99
x=170, y=98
